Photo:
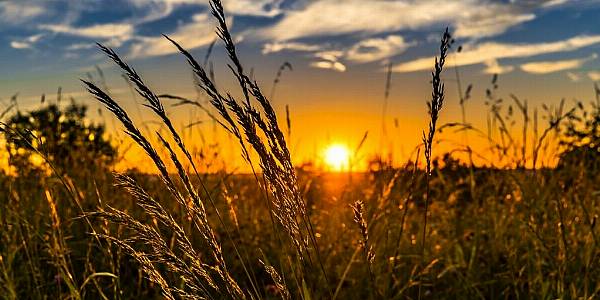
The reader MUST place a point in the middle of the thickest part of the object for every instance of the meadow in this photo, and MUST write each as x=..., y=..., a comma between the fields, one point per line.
x=440, y=226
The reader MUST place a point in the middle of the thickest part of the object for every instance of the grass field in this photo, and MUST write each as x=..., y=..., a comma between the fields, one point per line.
x=436, y=227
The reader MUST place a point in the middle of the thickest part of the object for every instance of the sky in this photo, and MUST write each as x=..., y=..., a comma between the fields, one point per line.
x=543, y=51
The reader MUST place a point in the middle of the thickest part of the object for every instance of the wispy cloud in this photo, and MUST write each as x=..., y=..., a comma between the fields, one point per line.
x=264, y=8
x=19, y=12
x=117, y=33
x=163, y=8
x=552, y=3
x=26, y=43
x=472, y=18
x=20, y=45
x=196, y=34
x=289, y=46
x=544, y=67
x=493, y=67
x=370, y=30
x=377, y=49
x=485, y=52
x=80, y=46
x=329, y=60
x=332, y=65
x=368, y=50
x=491, y=20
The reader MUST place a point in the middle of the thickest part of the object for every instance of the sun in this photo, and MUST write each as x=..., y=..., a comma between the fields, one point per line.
x=337, y=157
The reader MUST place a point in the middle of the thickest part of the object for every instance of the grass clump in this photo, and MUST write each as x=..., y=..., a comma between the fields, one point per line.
x=514, y=229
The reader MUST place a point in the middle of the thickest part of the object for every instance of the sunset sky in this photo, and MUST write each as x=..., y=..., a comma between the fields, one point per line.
x=542, y=50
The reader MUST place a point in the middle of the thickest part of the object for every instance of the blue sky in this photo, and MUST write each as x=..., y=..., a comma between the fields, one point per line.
x=543, y=50
x=535, y=37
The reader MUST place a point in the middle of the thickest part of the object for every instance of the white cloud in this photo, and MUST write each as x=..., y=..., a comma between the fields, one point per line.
x=485, y=52
x=20, y=45
x=365, y=51
x=291, y=46
x=153, y=10
x=329, y=60
x=490, y=22
x=544, y=67
x=332, y=55
x=264, y=8
x=493, y=67
x=116, y=33
x=198, y=33
x=473, y=18
x=26, y=43
x=18, y=12
x=332, y=65
x=80, y=46
x=95, y=31
x=163, y=8
x=376, y=49
x=553, y=3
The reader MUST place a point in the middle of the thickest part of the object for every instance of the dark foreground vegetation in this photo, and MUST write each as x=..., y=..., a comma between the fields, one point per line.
x=436, y=228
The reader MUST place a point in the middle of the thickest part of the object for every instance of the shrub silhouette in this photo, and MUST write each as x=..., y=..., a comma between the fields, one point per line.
x=581, y=139
x=63, y=136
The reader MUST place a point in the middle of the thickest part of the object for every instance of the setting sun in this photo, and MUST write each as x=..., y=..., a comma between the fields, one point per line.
x=337, y=157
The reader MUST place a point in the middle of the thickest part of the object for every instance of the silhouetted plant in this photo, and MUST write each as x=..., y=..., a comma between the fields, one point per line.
x=581, y=137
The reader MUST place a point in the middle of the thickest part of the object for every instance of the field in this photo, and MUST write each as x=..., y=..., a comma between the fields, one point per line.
x=439, y=226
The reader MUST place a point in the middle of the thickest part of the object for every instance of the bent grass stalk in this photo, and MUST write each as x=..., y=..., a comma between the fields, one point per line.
x=288, y=206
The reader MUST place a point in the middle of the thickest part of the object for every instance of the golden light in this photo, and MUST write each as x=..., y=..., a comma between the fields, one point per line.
x=337, y=157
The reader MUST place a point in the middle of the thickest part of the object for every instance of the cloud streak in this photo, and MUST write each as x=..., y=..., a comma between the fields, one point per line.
x=377, y=49
x=329, y=60
x=117, y=33
x=493, y=67
x=365, y=51
x=486, y=52
x=26, y=43
x=19, y=12
x=198, y=33
x=275, y=47
x=545, y=67
x=262, y=8
x=472, y=18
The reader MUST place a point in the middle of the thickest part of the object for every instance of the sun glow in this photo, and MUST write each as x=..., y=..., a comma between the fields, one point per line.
x=337, y=157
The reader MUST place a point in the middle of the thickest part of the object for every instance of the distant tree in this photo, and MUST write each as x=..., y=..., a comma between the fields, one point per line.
x=64, y=136
x=581, y=139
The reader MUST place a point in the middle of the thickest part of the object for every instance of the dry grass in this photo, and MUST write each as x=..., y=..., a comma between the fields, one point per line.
x=454, y=230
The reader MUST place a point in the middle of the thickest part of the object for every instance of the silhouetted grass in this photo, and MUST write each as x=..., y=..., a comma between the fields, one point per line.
x=515, y=229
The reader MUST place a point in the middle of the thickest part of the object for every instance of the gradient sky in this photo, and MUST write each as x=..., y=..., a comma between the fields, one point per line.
x=543, y=51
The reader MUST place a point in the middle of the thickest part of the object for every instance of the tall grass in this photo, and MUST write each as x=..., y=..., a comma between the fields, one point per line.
x=285, y=202
x=453, y=230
